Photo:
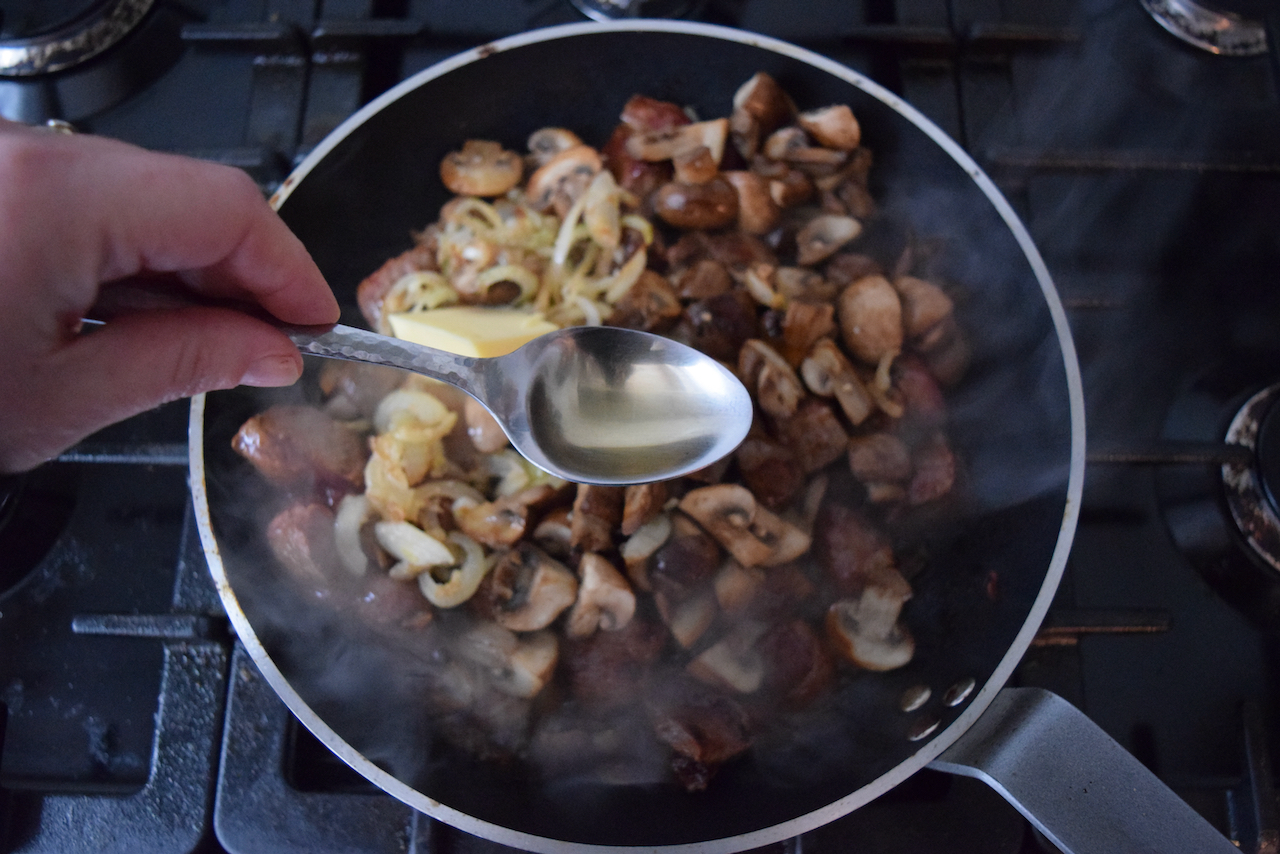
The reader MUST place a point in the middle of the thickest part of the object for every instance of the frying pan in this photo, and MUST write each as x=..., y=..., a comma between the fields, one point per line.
x=991, y=564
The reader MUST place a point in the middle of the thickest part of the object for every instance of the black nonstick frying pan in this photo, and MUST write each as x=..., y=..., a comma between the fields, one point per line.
x=992, y=567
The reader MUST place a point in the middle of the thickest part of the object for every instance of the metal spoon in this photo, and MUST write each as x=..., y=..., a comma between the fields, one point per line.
x=590, y=404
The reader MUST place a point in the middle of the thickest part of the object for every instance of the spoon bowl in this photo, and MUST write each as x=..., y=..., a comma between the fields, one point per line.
x=590, y=404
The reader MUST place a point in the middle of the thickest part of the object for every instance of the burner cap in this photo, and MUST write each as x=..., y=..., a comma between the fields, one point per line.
x=38, y=37
x=1220, y=32
x=1251, y=487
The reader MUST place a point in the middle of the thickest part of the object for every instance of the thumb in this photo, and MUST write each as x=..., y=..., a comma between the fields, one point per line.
x=139, y=361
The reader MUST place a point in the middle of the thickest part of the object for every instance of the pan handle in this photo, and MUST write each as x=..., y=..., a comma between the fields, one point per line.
x=1075, y=783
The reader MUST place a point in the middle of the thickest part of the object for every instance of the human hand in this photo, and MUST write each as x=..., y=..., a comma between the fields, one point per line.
x=80, y=212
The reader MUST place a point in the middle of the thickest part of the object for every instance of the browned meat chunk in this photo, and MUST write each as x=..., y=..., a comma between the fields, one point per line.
x=300, y=448
x=704, y=730
x=373, y=290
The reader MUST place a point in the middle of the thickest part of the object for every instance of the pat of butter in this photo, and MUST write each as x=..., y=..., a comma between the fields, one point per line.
x=471, y=330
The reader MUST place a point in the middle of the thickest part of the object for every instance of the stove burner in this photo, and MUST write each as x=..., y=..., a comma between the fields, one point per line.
x=1251, y=487
x=44, y=44
x=1222, y=514
x=1223, y=33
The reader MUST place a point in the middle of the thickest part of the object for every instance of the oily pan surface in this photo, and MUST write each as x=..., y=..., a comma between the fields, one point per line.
x=985, y=562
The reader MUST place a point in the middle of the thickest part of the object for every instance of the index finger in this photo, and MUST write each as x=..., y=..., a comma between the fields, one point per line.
x=139, y=211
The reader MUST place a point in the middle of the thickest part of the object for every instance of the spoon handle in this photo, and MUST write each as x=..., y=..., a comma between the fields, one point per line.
x=357, y=345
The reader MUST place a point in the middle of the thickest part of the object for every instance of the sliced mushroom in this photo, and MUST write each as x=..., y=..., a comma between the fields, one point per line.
x=641, y=503
x=689, y=618
x=601, y=212
x=764, y=100
x=803, y=326
x=640, y=547
x=823, y=235
x=834, y=127
x=870, y=316
x=605, y=600
x=696, y=166
x=516, y=666
x=758, y=281
x=481, y=168
x=546, y=143
x=777, y=388
x=753, y=535
x=845, y=268
x=925, y=306
x=798, y=284
x=706, y=206
x=791, y=144
x=736, y=586
x=733, y=662
x=791, y=188
x=828, y=373
x=758, y=213
x=642, y=113
x=669, y=143
x=597, y=512
x=559, y=181
x=866, y=630
x=553, y=533
x=526, y=590
x=650, y=304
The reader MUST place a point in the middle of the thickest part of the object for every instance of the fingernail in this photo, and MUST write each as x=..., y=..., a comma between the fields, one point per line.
x=271, y=371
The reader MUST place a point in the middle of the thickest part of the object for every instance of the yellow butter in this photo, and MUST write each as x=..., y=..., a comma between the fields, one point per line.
x=471, y=330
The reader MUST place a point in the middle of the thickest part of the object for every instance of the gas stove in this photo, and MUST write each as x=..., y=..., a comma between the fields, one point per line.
x=1145, y=164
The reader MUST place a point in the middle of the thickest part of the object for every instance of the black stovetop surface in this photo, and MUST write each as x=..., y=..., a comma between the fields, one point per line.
x=1148, y=173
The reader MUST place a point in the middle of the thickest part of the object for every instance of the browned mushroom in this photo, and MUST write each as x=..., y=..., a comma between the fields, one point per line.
x=798, y=284
x=791, y=188
x=733, y=662
x=688, y=619
x=605, y=600
x=791, y=144
x=754, y=535
x=519, y=666
x=765, y=101
x=704, y=730
x=597, y=511
x=638, y=549
x=695, y=167
x=834, y=127
x=643, y=113
x=546, y=143
x=828, y=373
x=481, y=168
x=924, y=307
x=736, y=586
x=669, y=143
x=709, y=206
x=719, y=325
x=559, y=181
x=803, y=326
x=778, y=390
x=553, y=533
x=819, y=238
x=845, y=268
x=758, y=213
x=650, y=304
x=641, y=503
x=866, y=631
x=526, y=590
x=870, y=316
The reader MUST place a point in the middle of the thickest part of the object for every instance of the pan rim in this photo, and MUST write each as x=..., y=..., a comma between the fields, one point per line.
x=836, y=809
